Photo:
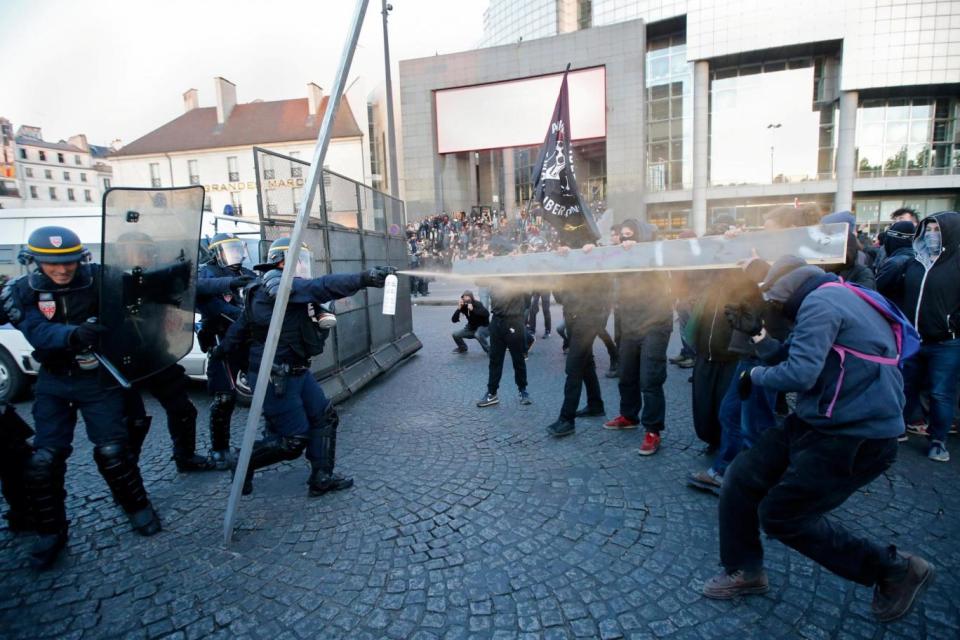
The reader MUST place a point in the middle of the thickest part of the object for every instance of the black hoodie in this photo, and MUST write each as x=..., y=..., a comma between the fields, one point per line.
x=931, y=292
x=644, y=301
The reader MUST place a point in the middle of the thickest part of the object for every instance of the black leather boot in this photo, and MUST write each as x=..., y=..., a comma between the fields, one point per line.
x=323, y=454
x=123, y=478
x=44, y=483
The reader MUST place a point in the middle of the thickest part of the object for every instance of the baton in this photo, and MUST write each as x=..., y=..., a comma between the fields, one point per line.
x=119, y=377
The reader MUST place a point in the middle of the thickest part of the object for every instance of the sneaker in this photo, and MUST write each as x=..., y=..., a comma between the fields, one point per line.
x=651, y=443
x=686, y=363
x=938, y=452
x=525, y=398
x=546, y=334
x=590, y=412
x=725, y=586
x=903, y=437
x=620, y=424
x=677, y=358
x=893, y=597
x=708, y=480
x=459, y=350
x=488, y=399
x=917, y=428
x=561, y=428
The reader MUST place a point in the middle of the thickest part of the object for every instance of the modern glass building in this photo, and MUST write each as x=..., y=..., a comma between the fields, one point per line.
x=749, y=104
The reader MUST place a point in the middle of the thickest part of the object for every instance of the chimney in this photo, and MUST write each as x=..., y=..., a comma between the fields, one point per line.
x=191, y=100
x=226, y=98
x=79, y=140
x=116, y=144
x=29, y=132
x=314, y=98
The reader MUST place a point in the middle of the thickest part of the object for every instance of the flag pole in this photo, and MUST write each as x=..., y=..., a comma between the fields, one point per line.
x=286, y=280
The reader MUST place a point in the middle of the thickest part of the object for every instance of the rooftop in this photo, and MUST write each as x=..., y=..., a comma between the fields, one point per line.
x=36, y=142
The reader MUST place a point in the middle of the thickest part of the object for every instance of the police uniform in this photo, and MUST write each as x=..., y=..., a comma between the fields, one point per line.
x=54, y=319
x=15, y=452
x=298, y=414
x=220, y=305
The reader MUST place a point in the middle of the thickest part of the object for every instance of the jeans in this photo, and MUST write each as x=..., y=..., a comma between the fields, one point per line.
x=642, y=372
x=539, y=298
x=742, y=422
x=786, y=484
x=937, y=366
x=507, y=333
x=711, y=380
x=467, y=333
x=581, y=370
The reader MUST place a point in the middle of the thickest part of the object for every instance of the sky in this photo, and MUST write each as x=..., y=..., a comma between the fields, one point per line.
x=118, y=68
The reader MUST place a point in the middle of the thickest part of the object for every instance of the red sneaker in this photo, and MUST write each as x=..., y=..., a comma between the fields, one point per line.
x=620, y=423
x=917, y=428
x=651, y=442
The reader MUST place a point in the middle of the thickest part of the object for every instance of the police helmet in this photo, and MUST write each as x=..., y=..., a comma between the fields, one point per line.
x=228, y=250
x=53, y=244
x=277, y=253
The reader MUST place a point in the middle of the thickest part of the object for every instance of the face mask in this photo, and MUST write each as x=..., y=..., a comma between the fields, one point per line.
x=933, y=241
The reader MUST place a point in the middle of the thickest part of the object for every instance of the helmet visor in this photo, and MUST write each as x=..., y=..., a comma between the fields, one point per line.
x=304, y=264
x=230, y=253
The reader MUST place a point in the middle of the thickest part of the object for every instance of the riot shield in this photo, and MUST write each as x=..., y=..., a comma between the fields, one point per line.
x=149, y=252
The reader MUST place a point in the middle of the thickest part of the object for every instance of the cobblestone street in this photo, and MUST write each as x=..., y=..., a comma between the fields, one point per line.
x=464, y=522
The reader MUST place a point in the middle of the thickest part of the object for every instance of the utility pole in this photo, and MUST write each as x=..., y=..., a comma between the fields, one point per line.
x=772, y=128
x=391, y=133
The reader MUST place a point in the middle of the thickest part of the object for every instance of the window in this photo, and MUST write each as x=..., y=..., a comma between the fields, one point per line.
x=43, y=156
x=908, y=136
x=207, y=204
x=233, y=173
x=326, y=176
x=60, y=158
x=669, y=100
x=87, y=196
x=66, y=176
x=194, y=173
x=29, y=172
x=33, y=193
x=154, y=174
x=296, y=169
x=271, y=203
x=23, y=154
x=48, y=174
x=70, y=195
x=76, y=159
x=268, y=171
x=297, y=197
x=83, y=177
x=106, y=183
x=53, y=193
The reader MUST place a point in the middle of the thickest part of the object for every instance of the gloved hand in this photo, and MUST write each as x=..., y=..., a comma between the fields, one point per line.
x=216, y=353
x=376, y=277
x=744, y=385
x=85, y=336
x=239, y=282
x=271, y=282
x=743, y=319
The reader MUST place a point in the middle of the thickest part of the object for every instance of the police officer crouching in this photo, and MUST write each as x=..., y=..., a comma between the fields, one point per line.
x=51, y=306
x=298, y=414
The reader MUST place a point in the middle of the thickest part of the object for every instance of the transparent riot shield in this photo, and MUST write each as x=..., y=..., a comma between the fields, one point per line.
x=149, y=255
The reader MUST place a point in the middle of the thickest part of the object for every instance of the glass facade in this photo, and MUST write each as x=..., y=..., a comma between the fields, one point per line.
x=768, y=124
x=669, y=91
x=590, y=165
x=908, y=136
x=875, y=211
x=507, y=21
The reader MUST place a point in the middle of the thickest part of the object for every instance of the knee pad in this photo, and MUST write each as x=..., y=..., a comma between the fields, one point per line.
x=223, y=404
x=109, y=454
x=45, y=464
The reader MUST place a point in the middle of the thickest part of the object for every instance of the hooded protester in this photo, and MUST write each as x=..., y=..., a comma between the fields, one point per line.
x=899, y=253
x=476, y=316
x=932, y=302
x=833, y=444
x=854, y=268
x=644, y=305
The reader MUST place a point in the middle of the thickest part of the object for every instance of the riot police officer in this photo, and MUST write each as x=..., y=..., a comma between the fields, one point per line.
x=298, y=414
x=220, y=305
x=52, y=306
x=15, y=453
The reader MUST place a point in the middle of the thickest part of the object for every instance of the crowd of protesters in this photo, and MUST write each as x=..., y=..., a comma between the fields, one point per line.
x=782, y=356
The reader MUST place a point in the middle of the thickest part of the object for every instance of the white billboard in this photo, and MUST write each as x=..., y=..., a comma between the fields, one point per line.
x=516, y=113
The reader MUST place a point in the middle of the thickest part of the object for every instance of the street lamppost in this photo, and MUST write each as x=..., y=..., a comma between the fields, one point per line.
x=772, y=128
x=391, y=134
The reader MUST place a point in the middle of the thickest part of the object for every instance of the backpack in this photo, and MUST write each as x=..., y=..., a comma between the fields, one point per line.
x=906, y=336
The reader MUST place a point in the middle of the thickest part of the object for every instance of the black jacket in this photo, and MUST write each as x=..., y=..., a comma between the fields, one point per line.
x=644, y=302
x=506, y=304
x=931, y=292
x=477, y=318
x=891, y=275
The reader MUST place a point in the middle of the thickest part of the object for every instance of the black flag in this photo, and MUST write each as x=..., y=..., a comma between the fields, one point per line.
x=555, y=187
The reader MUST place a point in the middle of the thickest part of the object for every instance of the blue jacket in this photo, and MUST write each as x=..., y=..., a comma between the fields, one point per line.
x=213, y=284
x=870, y=403
x=891, y=275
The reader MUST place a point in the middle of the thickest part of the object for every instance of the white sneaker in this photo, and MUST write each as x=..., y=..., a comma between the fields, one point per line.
x=938, y=452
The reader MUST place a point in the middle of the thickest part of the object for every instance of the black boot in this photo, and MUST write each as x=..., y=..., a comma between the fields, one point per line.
x=271, y=450
x=43, y=480
x=221, y=409
x=123, y=478
x=137, y=430
x=15, y=455
x=323, y=454
x=183, y=433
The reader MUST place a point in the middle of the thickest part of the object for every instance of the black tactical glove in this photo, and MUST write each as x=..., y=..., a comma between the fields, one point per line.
x=743, y=319
x=239, y=282
x=271, y=282
x=216, y=353
x=744, y=385
x=86, y=335
x=376, y=277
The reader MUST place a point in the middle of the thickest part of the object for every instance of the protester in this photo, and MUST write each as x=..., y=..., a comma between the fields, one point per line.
x=899, y=254
x=833, y=444
x=477, y=317
x=507, y=332
x=854, y=268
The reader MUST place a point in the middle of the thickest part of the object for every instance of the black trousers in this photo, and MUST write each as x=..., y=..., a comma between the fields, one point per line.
x=710, y=382
x=536, y=300
x=581, y=369
x=507, y=333
x=642, y=372
x=786, y=484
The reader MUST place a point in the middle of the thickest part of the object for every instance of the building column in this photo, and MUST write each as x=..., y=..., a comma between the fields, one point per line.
x=846, y=150
x=509, y=184
x=701, y=144
x=472, y=181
